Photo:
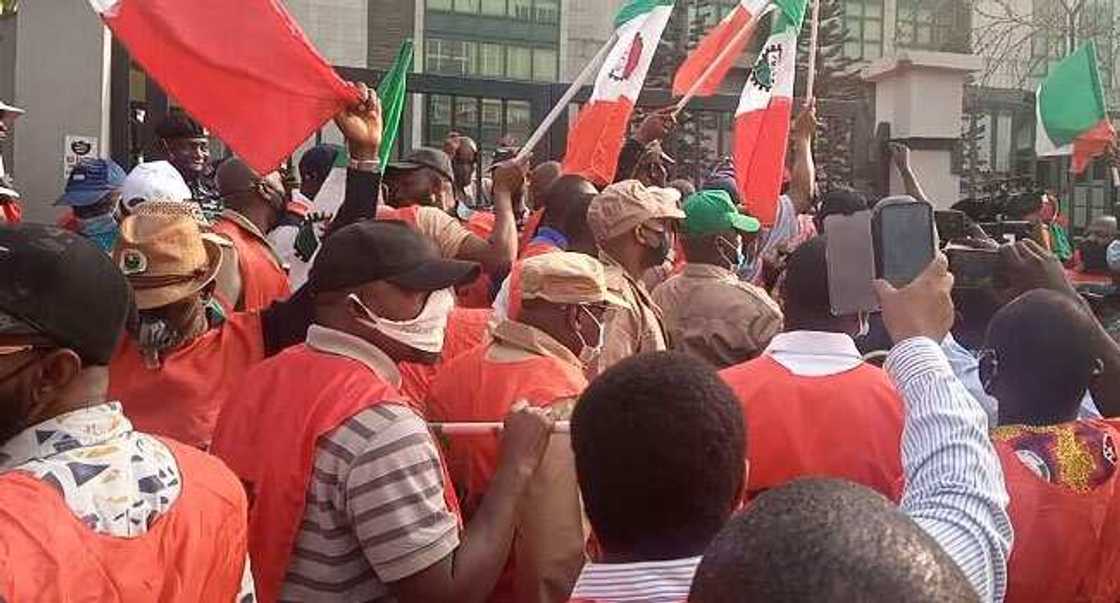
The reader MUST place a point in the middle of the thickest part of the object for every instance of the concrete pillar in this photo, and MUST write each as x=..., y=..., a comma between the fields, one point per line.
x=62, y=80
x=920, y=94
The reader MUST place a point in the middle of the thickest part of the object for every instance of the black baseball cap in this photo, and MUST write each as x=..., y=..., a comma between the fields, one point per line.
x=57, y=284
x=426, y=157
x=391, y=251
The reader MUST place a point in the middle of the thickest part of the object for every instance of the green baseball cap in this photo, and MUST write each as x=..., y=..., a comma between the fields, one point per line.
x=710, y=211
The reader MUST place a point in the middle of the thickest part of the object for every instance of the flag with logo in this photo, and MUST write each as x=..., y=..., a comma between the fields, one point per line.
x=762, y=120
x=596, y=139
x=725, y=33
x=1072, y=115
x=242, y=68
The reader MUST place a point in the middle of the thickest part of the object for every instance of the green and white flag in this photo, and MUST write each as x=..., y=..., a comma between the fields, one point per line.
x=393, y=91
x=1072, y=115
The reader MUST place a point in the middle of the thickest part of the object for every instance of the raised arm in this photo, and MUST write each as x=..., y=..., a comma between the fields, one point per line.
x=803, y=175
x=900, y=155
x=361, y=126
x=954, y=481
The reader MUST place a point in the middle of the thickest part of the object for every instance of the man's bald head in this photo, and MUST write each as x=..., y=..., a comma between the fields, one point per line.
x=542, y=177
x=241, y=188
x=826, y=540
x=558, y=198
x=1044, y=361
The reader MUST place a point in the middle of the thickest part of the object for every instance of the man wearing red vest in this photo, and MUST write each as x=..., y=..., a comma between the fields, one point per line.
x=537, y=355
x=173, y=370
x=349, y=496
x=814, y=407
x=91, y=509
x=558, y=229
x=254, y=206
x=660, y=454
x=1061, y=473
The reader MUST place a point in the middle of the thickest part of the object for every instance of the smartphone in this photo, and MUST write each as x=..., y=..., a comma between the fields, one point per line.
x=976, y=268
x=951, y=224
x=851, y=264
x=905, y=238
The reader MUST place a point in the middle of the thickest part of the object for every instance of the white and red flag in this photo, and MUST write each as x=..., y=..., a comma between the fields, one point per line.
x=595, y=141
x=762, y=121
x=728, y=32
x=242, y=68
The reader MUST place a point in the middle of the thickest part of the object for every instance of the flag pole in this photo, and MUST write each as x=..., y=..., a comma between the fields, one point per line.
x=562, y=105
x=699, y=83
x=814, y=42
x=460, y=429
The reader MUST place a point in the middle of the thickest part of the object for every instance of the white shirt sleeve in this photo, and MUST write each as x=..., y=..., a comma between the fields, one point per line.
x=954, y=481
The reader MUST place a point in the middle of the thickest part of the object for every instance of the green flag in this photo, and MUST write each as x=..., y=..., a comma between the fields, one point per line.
x=1072, y=114
x=393, y=91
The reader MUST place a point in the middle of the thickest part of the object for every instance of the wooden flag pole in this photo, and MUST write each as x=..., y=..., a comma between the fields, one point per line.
x=699, y=83
x=814, y=44
x=562, y=106
x=460, y=429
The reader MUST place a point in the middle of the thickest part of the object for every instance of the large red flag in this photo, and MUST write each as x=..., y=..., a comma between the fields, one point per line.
x=725, y=33
x=243, y=68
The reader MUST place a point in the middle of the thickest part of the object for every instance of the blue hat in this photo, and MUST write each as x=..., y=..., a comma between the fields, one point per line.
x=90, y=180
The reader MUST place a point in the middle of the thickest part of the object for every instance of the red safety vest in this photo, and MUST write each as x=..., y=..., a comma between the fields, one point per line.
x=474, y=389
x=263, y=279
x=300, y=395
x=1067, y=544
x=194, y=552
x=466, y=328
x=182, y=398
x=846, y=426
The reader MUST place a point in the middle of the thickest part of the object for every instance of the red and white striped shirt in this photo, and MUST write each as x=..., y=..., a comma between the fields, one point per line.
x=648, y=582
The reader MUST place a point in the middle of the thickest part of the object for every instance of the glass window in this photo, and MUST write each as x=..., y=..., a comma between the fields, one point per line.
x=439, y=110
x=863, y=27
x=450, y=57
x=519, y=63
x=491, y=121
x=544, y=65
x=547, y=11
x=518, y=120
x=491, y=60
x=466, y=113
x=439, y=4
x=466, y=6
x=521, y=9
x=494, y=7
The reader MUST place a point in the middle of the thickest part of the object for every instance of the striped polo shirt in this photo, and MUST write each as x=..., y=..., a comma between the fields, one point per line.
x=645, y=582
x=375, y=507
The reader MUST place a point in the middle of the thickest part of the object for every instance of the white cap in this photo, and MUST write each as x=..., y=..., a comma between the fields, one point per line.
x=9, y=193
x=153, y=181
x=6, y=108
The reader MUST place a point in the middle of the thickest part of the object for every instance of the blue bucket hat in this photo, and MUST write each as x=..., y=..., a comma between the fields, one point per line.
x=91, y=180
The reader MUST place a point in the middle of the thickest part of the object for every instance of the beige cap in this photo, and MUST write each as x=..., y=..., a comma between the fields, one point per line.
x=565, y=278
x=165, y=258
x=622, y=206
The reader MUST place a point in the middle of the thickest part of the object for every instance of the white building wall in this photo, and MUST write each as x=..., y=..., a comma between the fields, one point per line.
x=338, y=28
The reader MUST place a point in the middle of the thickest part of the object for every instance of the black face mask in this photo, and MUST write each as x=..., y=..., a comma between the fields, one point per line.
x=1094, y=256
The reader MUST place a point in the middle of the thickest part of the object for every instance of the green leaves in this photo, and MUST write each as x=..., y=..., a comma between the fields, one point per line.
x=8, y=7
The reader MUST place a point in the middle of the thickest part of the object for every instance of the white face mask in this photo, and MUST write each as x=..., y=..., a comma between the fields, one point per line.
x=589, y=355
x=425, y=332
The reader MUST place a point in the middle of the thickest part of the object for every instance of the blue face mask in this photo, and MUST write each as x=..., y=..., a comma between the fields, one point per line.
x=102, y=230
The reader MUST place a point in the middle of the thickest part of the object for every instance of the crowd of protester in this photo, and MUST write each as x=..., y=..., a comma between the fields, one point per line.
x=409, y=382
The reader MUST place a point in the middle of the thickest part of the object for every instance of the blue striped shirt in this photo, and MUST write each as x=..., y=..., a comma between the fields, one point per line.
x=954, y=481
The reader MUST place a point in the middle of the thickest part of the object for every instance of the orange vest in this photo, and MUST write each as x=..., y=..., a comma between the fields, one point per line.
x=845, y=426
x=1067, y=544
x=466, y=328
x=194, y=552
x=182, y=398
x=473, y=389
x=263, y=279
x=301, y=395
x=535, y=248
